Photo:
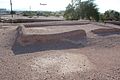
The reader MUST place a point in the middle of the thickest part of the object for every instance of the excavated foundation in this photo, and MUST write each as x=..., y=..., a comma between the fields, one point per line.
x=26, y=43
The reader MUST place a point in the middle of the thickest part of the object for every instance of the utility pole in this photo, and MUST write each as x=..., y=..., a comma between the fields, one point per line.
x=30, y=8
x=11, y=8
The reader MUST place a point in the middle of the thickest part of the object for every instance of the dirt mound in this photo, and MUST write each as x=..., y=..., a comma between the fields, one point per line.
x=106, y=31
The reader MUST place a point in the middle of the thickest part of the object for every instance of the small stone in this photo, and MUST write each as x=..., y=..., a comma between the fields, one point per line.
x=18, y=67
x=3, y=33
x=45, y=79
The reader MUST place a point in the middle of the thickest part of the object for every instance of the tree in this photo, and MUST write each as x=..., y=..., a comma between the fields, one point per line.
x=112, y=15
x=85, y=9
x=88, y=10
x=102, y=17
x=70, y=13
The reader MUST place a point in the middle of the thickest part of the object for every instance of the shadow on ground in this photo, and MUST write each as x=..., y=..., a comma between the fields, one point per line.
x=18, y=49
x=106, y=32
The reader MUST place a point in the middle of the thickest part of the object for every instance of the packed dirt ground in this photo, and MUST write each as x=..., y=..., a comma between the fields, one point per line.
x=96, y=57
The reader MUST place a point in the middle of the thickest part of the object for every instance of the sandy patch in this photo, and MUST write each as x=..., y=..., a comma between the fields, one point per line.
x=7, y=37
x=61, y=63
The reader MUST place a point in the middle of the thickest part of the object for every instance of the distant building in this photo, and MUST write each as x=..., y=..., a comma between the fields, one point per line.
x=3, y=11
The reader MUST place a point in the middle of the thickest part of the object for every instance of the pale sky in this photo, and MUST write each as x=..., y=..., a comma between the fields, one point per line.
x=56, y=5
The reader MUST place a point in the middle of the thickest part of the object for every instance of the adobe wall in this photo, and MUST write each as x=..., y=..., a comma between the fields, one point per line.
x=55, y=23
x=28, y=20
x=26, y=39
x=106, y=31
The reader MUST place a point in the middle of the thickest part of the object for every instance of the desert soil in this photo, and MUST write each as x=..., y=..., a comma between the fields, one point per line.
x=98, y=59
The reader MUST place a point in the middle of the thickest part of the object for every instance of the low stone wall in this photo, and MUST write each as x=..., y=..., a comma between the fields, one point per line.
x=105, y=31
x=27, y=39
x=55, y=23
x=27, y=20
x=113, y=22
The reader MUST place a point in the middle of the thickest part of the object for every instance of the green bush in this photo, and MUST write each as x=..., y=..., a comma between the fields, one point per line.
x=84, y=10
